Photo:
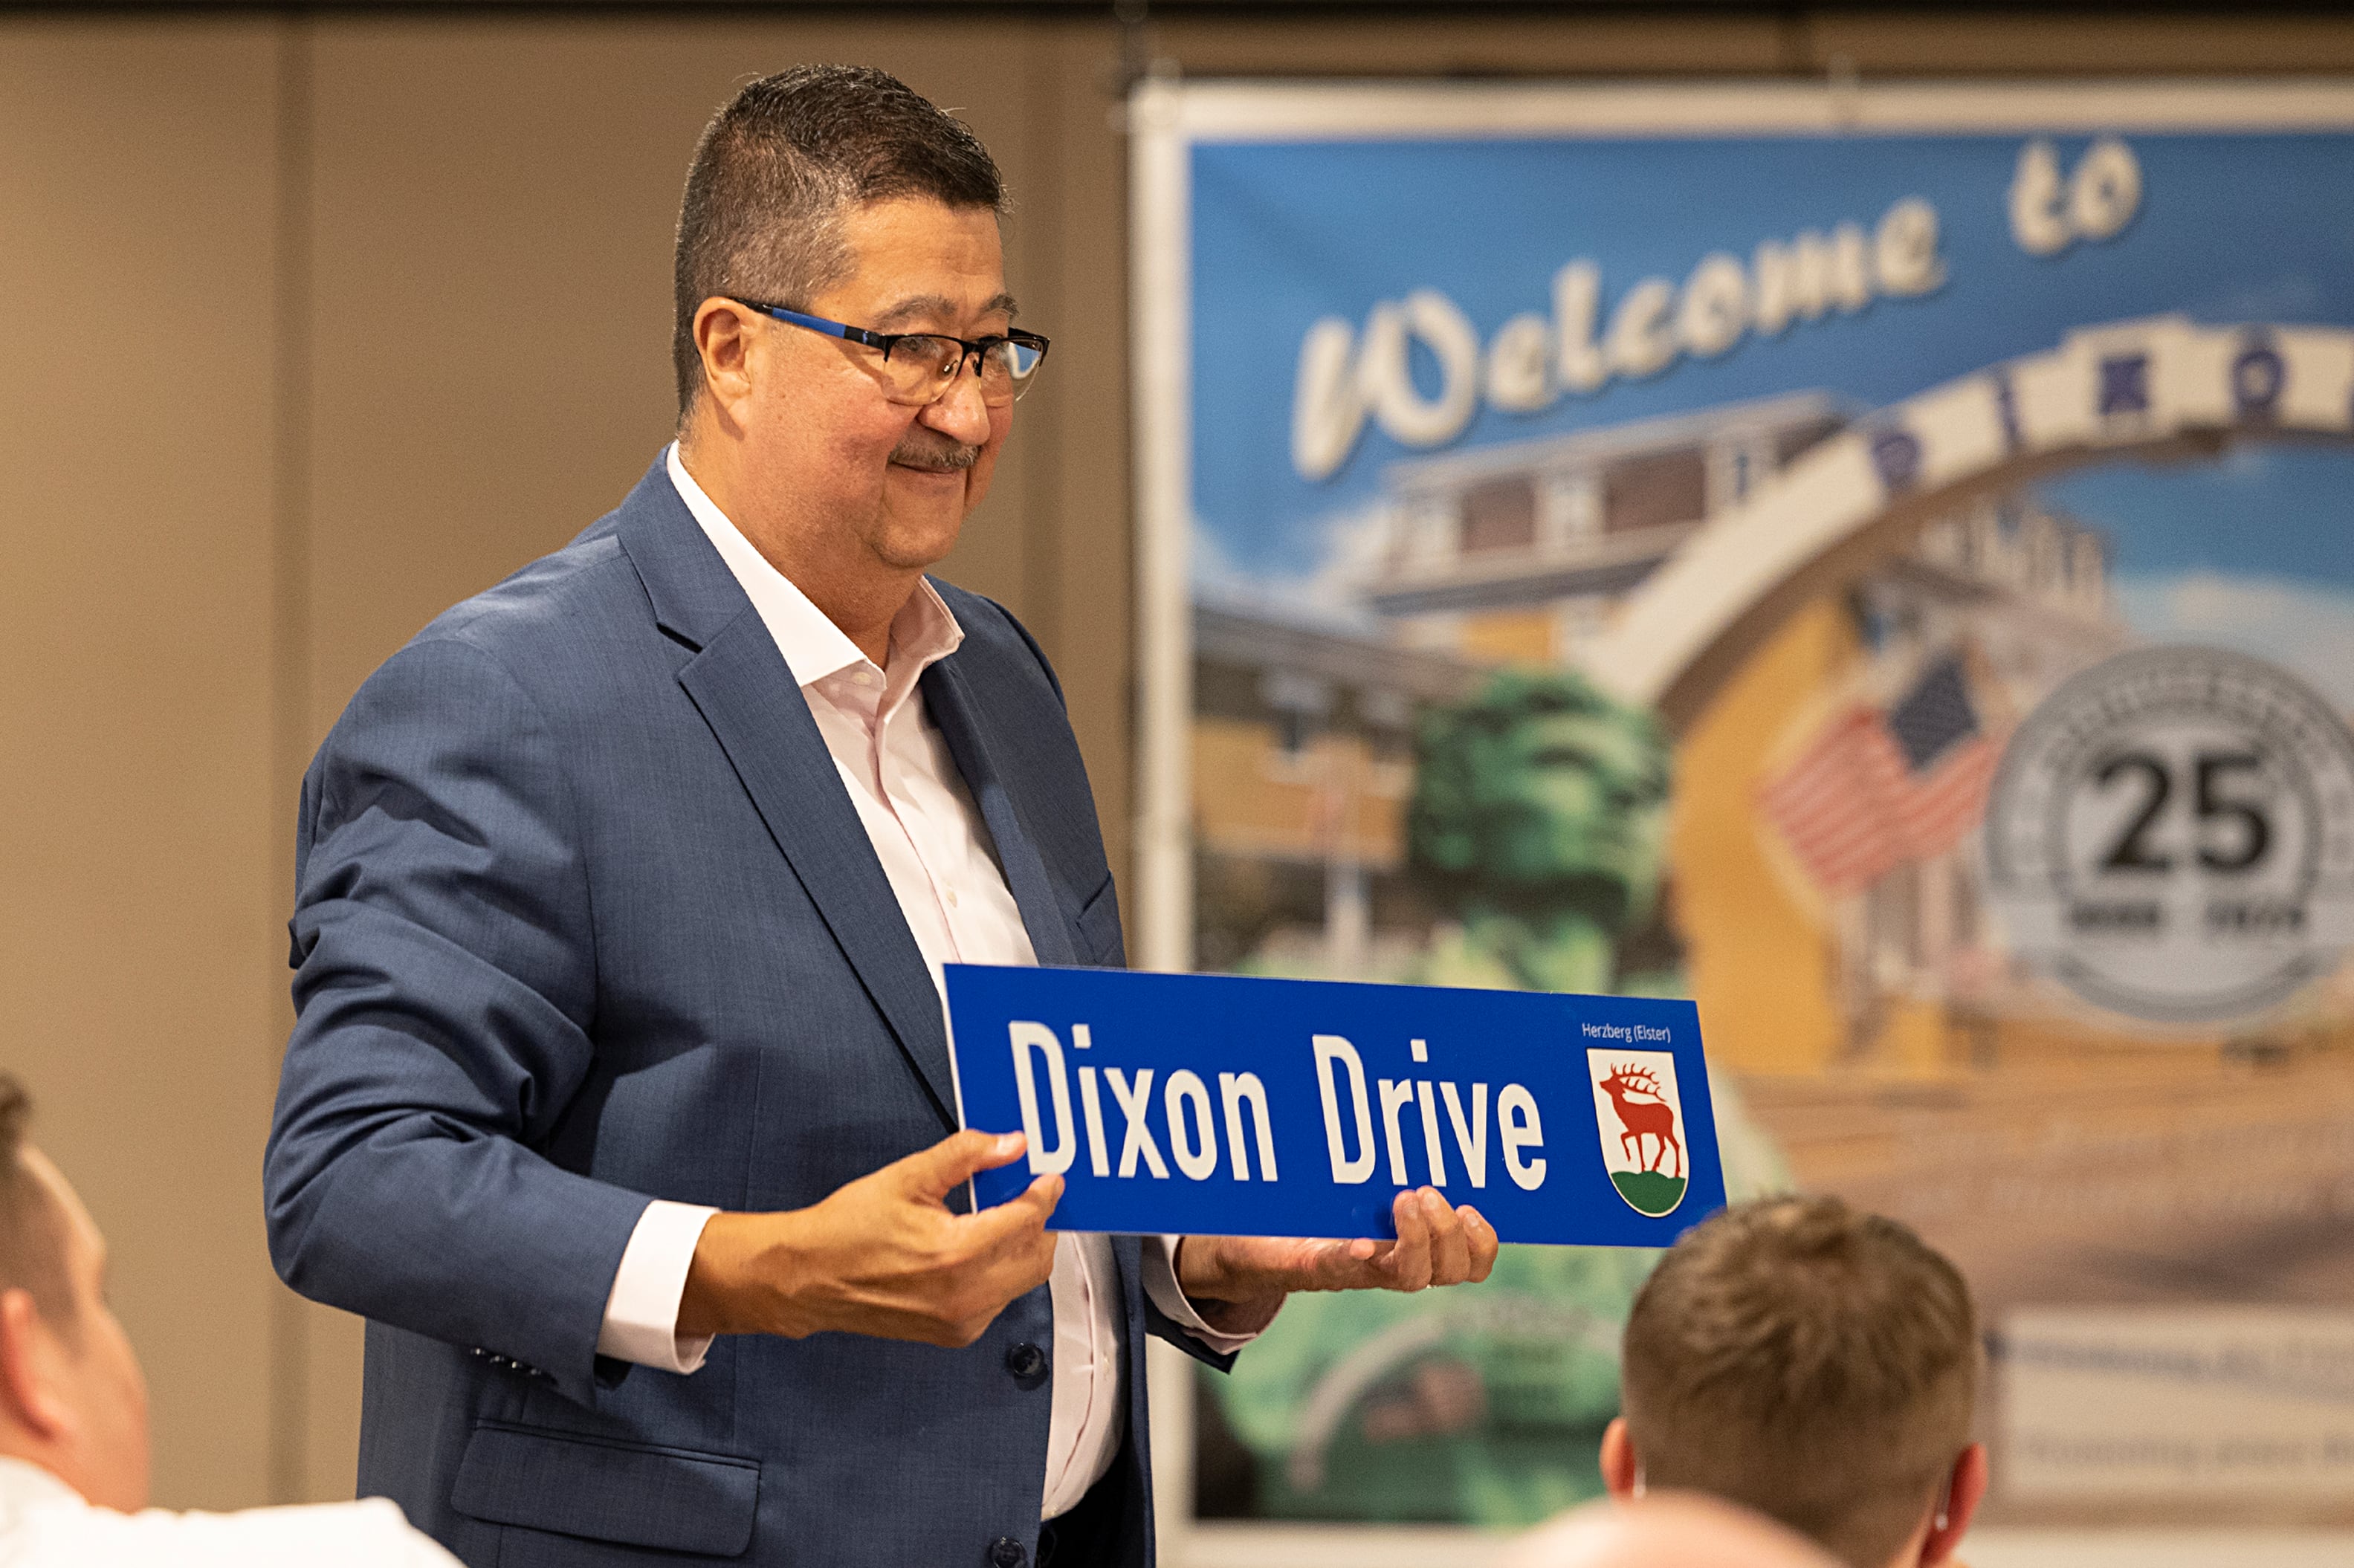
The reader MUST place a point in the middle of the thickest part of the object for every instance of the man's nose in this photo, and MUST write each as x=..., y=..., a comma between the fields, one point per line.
x=960, y=414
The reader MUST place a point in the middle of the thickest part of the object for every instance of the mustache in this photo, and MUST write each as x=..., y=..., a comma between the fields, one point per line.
x=934, y=453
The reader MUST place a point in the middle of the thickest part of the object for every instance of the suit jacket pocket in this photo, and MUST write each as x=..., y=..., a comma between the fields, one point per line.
x=675, y=1500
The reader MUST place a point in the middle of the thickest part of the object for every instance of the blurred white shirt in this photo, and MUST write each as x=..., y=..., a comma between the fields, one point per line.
x=44, y=1523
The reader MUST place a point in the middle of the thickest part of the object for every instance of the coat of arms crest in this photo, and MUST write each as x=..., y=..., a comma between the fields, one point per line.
x=1640, y=1118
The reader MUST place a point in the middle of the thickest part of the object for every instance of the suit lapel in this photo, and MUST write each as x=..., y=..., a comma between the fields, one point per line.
x=740, y=684
x=747, y=694
x=953, y=709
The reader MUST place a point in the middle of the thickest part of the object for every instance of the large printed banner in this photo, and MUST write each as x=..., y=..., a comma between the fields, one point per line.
x=1878, y=563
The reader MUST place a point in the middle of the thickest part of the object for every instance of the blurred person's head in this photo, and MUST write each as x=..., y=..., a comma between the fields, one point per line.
x=72, y=1397
x=1816, y=1364
x=839, y=192
x=1672, y=1529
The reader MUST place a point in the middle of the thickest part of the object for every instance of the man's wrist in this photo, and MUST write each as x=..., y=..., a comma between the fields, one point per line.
x=742, y=1280
x=1225, y=1301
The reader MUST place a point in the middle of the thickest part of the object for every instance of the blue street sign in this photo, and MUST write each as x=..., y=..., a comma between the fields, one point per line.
x=1216, y=1105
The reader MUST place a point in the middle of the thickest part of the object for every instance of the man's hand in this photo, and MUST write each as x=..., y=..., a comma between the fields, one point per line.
x=884, y=1255
x=1236, y=1283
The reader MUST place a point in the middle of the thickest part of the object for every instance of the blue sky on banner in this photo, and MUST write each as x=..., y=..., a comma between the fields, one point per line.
x=2230, y=228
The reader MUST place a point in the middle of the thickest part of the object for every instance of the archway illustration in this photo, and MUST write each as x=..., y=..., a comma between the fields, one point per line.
x=2140, y=387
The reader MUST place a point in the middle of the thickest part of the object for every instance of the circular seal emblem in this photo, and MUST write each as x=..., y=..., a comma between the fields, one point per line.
x=2171, y=835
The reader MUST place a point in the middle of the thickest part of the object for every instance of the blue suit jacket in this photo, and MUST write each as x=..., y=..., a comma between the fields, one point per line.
x=584, y=916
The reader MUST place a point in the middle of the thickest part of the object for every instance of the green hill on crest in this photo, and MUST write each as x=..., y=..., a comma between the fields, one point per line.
x=1651, y=1191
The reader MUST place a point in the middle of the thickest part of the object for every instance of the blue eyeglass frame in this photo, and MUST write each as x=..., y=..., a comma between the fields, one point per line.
x=887, y=341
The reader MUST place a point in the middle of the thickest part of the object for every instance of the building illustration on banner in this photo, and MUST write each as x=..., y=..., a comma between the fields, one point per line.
x=1521, y=555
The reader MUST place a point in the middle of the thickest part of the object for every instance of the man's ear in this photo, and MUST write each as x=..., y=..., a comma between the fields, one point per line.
x=27, y=1347
x=1622, y=1468
x=722, y=337
x=1966, y=1488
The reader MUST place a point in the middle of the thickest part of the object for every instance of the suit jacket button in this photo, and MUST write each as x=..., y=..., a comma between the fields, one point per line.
x=1027, y=1362
x=1005, y=1551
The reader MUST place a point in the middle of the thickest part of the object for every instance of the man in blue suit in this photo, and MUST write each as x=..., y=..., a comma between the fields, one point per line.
x=619, y=1100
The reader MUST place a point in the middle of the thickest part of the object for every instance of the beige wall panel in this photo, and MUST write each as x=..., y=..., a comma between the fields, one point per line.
x=318, y=1450
x=1472, y=46
x=136, y=165
x=1074, y=220
x=494, y=205
x=1962, y=43
x=1804, y=42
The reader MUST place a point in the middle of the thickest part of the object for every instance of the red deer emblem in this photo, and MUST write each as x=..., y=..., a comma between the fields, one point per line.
x=1649, y=1115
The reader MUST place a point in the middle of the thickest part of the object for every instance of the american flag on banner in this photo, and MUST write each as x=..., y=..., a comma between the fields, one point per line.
x=1874, y=790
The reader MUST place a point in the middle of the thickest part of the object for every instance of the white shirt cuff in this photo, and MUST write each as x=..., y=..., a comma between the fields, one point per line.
x=642, y=1313
x=1161, y=1284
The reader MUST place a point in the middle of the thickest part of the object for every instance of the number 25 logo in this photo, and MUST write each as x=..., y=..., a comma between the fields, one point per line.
x=2231, y=834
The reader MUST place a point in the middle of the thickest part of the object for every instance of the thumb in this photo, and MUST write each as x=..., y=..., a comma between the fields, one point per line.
x=933, y=1173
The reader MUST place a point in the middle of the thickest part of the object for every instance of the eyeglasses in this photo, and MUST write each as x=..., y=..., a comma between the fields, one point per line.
x=919, y=367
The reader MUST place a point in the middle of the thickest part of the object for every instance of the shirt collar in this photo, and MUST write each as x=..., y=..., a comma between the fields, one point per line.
x=924, y=632
x=26, y=1484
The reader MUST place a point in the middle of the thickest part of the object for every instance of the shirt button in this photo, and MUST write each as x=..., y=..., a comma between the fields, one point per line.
x=952, y=898
x=1007, y=1552
x=1027, y=1364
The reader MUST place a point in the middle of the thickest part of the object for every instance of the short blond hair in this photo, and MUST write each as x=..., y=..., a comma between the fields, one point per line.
x=1815, y=1364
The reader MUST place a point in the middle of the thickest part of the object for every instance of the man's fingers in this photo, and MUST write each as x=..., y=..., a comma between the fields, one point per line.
x=1336, y=1265
x=1016, y=1220
x=1484, y=1240
x=1450, y=1249
x=1011, y=1275
x=1408, y=1267
x=933, y=1173
x=1013, y=1251
x=1040, y=1196
x=1436, y=1244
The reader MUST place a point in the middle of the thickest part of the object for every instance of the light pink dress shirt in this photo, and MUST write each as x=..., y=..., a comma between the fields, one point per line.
x=943, y=870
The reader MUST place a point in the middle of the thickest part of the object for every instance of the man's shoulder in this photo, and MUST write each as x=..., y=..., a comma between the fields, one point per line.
x=560, y=641
x=583, y=593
